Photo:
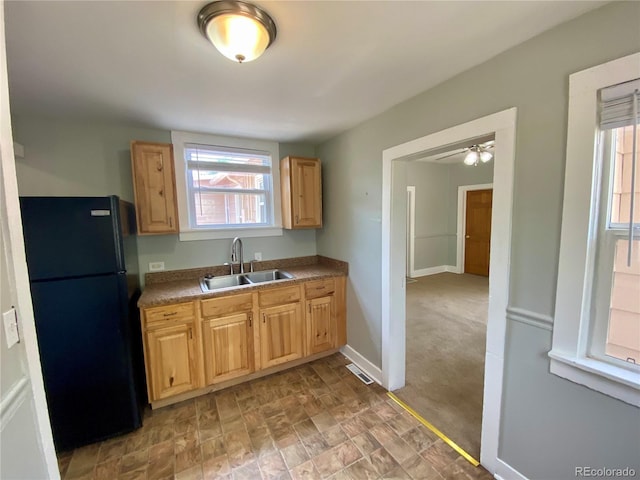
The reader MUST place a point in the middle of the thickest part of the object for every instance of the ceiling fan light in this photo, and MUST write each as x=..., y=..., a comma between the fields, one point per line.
x=239, y=30
x=485, y=156
x=471, y=158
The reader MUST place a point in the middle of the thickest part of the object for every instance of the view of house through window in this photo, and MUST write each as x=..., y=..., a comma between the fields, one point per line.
x=623, y=333
x=228, y=187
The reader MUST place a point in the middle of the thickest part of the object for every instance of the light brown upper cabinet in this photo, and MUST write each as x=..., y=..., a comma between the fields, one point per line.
x=154, y=186
x=301, y=186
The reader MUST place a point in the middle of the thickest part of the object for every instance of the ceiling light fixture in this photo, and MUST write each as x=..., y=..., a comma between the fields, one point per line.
x=239, y=30
x=477, y=154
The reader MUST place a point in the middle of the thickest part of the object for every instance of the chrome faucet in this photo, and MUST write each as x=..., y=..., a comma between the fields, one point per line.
x=235, y=247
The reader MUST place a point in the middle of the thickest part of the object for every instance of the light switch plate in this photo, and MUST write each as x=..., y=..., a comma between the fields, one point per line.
x=156, y=266
x=10, y=322
x=257, y=256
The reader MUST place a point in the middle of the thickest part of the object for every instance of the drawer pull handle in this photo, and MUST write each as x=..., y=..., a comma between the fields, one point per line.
x=170, y=314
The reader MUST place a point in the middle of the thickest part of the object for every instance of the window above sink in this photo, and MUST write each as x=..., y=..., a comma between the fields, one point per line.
x=226, y=186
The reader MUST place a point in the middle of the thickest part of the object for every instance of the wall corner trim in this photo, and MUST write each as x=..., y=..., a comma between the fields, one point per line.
x=362, y=363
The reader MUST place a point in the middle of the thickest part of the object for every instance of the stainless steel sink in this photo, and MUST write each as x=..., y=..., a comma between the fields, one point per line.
x=226, y=281
x=213, y=283
x=267, y=276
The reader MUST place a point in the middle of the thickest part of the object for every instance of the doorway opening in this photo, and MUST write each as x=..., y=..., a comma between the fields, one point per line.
x=448, y=238
x=395, y=159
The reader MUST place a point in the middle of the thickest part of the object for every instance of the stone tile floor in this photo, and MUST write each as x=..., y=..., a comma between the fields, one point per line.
x=315, y=421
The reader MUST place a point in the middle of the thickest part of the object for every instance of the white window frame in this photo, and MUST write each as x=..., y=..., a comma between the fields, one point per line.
x=187, y=233
x=569, y=354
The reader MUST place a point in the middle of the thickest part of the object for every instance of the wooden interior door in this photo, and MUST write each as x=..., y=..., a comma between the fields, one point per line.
x=477, y=243
x=228, y=347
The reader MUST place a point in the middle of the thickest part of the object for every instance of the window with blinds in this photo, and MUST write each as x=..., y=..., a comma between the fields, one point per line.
x=596, y=328
x=228, y=187
x=616, y=309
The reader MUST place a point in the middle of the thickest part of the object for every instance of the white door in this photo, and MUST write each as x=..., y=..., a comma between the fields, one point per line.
x=26, y=443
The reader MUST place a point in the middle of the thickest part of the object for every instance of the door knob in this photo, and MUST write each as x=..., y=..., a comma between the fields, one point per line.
x=467, y=236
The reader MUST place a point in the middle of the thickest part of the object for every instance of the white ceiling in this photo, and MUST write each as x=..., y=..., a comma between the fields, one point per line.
x=333, y=64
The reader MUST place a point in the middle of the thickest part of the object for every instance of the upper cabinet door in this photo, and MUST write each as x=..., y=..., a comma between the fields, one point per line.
x=301, y=184
x=154, y=187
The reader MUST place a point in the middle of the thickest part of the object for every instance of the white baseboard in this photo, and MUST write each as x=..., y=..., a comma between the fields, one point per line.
x=362, y=363
x=507, y=472
x=423, y=272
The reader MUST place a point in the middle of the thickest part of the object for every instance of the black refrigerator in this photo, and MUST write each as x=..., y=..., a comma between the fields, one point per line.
x=82, y=259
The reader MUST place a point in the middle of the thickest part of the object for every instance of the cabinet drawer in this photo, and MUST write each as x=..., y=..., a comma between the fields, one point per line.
x=215, y=307
x=168, y=312
x=320, y=288
x=279, y=296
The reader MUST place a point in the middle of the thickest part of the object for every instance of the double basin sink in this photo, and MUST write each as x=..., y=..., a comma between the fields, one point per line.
x=209, y=283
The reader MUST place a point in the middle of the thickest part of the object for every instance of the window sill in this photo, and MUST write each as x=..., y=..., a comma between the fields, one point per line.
x=603, y=377
x=223, y=233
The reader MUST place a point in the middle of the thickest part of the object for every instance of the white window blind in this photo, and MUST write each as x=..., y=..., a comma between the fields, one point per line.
x=620, y=107
x=617, y=105
x=228, y=186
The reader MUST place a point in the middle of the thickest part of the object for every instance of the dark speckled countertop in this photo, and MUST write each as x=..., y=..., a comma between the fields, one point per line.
x=184, y=285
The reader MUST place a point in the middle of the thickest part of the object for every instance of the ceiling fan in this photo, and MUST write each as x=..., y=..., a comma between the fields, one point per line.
x=475, y=154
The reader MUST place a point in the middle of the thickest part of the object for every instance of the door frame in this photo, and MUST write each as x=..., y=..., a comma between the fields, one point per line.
x=503, y=126
x=462, y=217
x=19, y=287
x=411, y=228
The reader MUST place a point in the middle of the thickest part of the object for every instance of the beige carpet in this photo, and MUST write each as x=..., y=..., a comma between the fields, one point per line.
x=446, y=332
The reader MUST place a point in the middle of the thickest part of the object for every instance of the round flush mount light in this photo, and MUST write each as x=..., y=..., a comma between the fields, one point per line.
x=239, y=30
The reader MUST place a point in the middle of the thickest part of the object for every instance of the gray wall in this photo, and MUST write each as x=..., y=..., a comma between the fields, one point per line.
x=80, y=158
x=436, y=216
x=548, y=425
x=431, y=235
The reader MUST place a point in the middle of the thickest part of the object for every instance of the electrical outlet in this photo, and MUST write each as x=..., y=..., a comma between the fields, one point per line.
x=257, y=256
x=10, y=321
x=156, y=266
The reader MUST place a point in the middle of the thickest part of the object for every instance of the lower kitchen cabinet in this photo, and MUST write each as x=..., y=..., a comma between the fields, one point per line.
x=320, y=322
x=228, y=347
x=322, y=316
x=194, y=347
x=171, y=360
x=281, y=334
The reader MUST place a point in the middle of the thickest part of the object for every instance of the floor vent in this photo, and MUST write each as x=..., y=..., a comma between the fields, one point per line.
x=359, y=373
